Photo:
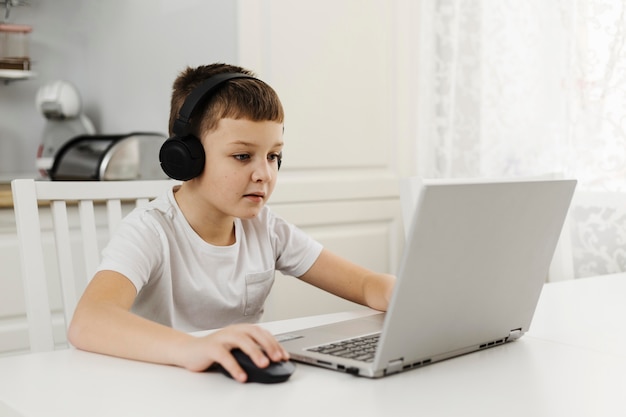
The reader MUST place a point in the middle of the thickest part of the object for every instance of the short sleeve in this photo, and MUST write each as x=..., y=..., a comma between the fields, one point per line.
x=296, y=251
x=135, y=250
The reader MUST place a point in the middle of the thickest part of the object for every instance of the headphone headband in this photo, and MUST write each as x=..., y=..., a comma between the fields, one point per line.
x=182, y=156
x=181, y=125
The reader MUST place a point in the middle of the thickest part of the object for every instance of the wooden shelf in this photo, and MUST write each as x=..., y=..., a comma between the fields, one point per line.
x=8, y=75
x=6, y=198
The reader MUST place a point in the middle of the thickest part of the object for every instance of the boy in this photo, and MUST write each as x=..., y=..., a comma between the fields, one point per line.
x=203, y=256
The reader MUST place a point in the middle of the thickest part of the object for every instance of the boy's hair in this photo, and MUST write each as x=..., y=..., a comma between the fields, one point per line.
x=240, y=98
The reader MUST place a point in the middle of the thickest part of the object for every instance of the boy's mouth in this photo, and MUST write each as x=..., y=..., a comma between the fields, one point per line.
x=255, y=196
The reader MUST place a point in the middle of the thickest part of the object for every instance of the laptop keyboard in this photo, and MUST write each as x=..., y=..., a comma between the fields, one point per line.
x=359, y=348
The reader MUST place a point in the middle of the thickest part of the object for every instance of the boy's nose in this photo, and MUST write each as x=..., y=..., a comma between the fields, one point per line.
x=263, y=172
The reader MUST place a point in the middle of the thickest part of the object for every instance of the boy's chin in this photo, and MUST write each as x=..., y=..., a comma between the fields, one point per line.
x=249, y=214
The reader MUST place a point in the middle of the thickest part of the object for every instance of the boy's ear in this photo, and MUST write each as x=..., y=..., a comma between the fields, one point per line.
x=182, y=157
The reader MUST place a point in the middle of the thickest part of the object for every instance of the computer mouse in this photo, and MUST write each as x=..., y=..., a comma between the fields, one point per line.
x=273, y=373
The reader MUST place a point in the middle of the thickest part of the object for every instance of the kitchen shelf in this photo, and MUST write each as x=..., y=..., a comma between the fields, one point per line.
x=7, y=75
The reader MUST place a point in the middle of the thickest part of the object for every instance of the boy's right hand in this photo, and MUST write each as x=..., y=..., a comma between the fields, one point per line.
x=199, y=353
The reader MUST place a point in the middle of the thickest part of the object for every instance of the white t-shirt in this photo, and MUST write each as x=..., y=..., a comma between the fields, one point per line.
x=186, y=283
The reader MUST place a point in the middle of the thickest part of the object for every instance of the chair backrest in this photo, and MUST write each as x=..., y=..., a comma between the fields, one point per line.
x=30, y=197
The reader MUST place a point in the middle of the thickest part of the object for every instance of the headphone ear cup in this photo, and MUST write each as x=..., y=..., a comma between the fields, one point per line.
x=182, y=157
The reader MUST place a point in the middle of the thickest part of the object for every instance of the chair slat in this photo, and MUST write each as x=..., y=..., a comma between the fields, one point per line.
x=27, y=194
x=33, y=269
x=114, y=214
x=89, y=236
x=65, y=257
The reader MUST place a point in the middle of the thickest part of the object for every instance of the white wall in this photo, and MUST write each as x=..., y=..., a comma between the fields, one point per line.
x=122, y=55
x=346, y=79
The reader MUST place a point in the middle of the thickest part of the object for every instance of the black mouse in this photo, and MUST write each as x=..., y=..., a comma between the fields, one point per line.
x=274, y=372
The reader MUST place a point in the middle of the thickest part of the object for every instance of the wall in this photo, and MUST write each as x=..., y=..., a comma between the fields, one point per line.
x=123, y=57
x=345, y=78
x=346, y=81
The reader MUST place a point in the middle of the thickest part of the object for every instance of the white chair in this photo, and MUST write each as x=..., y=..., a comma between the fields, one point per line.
x=30, y=198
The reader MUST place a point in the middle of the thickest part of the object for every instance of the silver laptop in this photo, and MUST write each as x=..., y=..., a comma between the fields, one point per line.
x=475, y=260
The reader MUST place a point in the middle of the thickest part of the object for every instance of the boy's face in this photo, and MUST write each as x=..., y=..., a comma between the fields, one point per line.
x=241, y=166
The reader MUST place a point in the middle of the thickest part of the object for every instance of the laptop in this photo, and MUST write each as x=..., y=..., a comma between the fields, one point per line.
x=475, y=260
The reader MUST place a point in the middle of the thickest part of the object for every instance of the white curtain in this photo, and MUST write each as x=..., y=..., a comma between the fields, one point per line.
x=522, y=88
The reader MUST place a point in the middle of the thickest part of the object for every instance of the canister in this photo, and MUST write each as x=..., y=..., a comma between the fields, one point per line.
x=14, y=46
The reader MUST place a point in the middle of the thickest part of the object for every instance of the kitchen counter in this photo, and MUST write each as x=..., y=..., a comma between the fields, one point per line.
x=6, y=200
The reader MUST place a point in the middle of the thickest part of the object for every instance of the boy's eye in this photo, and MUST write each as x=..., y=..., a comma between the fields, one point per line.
x=275, y=156
x=242, y=157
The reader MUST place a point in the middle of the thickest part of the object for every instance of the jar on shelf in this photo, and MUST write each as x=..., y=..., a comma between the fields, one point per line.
x=14, y=46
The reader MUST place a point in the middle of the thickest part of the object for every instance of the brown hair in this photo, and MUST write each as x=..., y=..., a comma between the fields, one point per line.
x=240, y=98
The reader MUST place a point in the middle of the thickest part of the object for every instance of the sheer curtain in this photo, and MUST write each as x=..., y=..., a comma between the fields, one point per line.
x=519, y=88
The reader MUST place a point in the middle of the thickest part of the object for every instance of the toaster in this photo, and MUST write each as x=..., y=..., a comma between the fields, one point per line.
x=133, y=156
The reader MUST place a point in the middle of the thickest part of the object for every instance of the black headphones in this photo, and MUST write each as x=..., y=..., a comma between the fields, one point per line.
x=182, y=156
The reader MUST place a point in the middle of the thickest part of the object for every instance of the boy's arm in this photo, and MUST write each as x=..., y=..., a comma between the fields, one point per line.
x=345, y=279
x=103, y=323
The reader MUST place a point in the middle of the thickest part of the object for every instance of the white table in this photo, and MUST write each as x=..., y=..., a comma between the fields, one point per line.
x=571, y=363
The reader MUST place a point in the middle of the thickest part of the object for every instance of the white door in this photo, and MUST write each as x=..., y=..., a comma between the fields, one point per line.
x=342, y=71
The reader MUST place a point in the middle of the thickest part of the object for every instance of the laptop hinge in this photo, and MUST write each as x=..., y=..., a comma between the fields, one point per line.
x=514, y=335
x=394, y=366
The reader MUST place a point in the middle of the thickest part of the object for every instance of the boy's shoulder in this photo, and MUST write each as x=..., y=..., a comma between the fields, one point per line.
x=161, y=208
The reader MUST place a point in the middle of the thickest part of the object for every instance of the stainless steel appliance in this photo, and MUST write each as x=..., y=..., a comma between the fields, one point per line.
x=131, y=156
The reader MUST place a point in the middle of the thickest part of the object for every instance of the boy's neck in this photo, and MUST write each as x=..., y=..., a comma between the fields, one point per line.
x=215, y=231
